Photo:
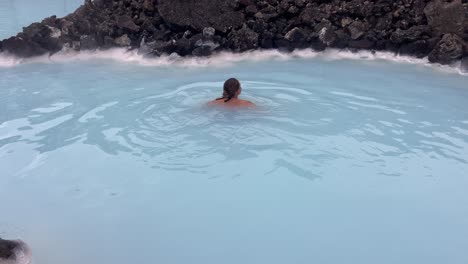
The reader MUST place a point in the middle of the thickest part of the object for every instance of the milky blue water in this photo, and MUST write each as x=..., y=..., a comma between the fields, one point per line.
x=343, y=161
x=15, y=14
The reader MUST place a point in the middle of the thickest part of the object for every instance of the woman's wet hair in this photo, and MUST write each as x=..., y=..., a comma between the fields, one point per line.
x=231, y=86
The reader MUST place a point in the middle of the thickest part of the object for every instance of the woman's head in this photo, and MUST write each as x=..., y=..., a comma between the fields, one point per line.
x=231, y=89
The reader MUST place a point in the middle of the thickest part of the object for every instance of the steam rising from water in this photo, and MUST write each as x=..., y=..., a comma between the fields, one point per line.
x=222, y=58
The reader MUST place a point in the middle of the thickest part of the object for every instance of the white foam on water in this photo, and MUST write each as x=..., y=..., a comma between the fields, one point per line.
x=94, y=113
x=224, y=58
x=52, y=108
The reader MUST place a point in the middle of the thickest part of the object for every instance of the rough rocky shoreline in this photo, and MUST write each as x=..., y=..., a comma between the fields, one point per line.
x=437, y=29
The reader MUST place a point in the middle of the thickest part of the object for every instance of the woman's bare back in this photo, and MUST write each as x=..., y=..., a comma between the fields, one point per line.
x=232, y=103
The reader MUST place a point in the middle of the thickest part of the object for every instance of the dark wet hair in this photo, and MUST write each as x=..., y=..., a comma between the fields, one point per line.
x=231, y=86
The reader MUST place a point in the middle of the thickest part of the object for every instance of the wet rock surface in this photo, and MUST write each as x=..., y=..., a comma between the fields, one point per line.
x=434, y=28
x=464, y=64
x=448, y=49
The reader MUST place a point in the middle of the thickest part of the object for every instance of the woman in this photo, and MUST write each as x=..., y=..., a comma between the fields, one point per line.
x=232, y=90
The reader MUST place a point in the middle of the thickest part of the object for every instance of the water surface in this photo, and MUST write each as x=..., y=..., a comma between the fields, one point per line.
x=15, y=14
x=343, y=161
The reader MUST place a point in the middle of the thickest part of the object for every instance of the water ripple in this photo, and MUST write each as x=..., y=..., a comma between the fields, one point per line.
x=298, y=127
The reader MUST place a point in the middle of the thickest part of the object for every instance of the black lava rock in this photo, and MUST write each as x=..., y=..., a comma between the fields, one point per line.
x=448, y=49
x=433, y=28
x=198, y=14
x=464, y=64
x=6, y=248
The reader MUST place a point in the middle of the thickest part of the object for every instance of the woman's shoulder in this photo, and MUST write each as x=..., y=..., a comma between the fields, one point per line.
x=233, y=103
x=246, y=103
x=215, y=102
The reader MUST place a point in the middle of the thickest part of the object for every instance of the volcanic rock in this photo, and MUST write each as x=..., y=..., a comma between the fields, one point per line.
x=448, y=49
x=199, y=14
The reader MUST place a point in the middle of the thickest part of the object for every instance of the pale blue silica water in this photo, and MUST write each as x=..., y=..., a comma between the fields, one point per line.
x=343, y=161
x=15, y=14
